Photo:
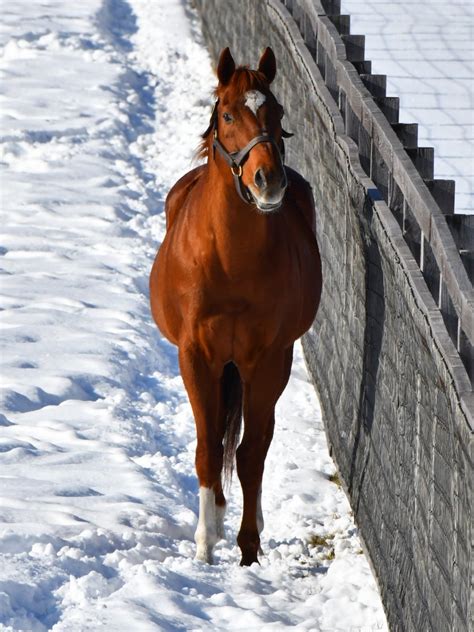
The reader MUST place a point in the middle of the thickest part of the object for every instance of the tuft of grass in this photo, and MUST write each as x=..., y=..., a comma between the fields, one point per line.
x=321, y=540
x=325, y=541
x=318, y=540
x=331, y=555
x=334, y=478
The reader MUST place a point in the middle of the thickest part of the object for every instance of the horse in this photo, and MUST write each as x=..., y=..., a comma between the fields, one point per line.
x=236, y=281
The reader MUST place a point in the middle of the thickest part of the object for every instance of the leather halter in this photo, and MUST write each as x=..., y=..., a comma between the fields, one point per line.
x=236, y=159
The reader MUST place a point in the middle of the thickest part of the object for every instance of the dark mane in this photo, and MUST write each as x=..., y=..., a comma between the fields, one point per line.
x=243, y=79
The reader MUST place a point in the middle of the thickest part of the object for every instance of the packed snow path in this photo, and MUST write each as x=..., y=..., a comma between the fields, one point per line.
x=102, y=105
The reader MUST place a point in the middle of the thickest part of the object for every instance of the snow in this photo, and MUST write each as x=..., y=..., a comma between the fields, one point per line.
x=102, y=106
x=425, y=48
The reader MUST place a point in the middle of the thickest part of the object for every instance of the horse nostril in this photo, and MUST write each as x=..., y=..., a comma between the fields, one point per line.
x=260, y=179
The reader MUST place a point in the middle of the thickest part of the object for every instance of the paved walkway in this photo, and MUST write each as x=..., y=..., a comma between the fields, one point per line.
x=426, y=48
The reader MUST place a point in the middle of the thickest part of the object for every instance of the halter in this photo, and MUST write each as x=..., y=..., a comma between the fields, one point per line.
x=236, y=159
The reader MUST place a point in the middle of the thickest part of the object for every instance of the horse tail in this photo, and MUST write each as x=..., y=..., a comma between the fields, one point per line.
x=232, y=398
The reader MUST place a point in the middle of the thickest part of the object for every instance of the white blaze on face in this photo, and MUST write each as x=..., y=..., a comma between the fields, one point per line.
x=254, y=99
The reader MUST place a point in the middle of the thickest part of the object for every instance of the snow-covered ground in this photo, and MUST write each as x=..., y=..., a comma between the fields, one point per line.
x=425, y=47
x=102, y=105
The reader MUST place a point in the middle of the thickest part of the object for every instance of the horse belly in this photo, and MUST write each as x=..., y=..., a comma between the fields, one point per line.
x=163, y=297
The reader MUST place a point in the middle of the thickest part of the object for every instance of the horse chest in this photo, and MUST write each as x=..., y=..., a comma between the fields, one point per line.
x=247, y=287
x=237, y=319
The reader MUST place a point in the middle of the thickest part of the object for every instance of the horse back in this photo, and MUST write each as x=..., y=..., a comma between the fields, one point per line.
x=301, y=195
x=179, y=192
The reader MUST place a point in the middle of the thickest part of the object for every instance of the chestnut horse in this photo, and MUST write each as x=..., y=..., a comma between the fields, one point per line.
x=236, y=281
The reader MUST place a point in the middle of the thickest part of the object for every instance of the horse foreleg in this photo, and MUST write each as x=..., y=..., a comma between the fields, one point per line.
x=203, y=386
x=261, y=392
x=250, y=462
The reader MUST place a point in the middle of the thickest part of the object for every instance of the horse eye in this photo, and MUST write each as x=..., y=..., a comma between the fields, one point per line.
x=227, y=117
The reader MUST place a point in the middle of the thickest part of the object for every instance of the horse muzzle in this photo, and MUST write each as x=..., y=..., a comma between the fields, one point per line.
x=268, y=191
x=265, y=206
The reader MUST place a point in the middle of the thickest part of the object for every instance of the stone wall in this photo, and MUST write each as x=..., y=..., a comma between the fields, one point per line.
x=395, y=394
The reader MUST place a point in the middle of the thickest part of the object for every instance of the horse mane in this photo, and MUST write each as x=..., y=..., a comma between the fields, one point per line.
x=243, y=80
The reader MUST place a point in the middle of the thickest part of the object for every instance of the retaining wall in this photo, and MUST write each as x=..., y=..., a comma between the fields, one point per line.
x=390, y=351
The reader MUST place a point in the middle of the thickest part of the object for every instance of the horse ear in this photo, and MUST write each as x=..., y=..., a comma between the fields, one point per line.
x=267, y=64
x=225, y=67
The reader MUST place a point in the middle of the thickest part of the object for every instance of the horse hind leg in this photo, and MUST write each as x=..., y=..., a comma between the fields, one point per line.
x=220, y=503
x=231, y=412
x=260, y=521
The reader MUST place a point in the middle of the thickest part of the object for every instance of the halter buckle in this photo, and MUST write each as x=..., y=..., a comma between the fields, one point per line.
x=239, y=173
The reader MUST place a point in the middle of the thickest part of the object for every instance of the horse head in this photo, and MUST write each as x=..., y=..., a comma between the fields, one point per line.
x=247, y=131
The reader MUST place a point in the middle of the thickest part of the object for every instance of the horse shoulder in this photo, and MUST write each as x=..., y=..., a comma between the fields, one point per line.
x=301, y=195
x=179, y=192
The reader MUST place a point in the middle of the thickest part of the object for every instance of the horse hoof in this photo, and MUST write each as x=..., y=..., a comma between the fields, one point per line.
x=204, y=554
x=248, y=559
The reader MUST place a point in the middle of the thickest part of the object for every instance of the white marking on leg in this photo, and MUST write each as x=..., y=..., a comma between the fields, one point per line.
x=254, y=99
x=259, y=512
x=220, y=513
x=259, y=516
x=206, y=535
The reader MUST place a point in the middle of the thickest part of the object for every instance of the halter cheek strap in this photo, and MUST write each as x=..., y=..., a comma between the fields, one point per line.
x=236, y=159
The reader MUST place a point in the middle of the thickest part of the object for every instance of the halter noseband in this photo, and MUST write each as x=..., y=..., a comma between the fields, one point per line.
x=235, y=159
